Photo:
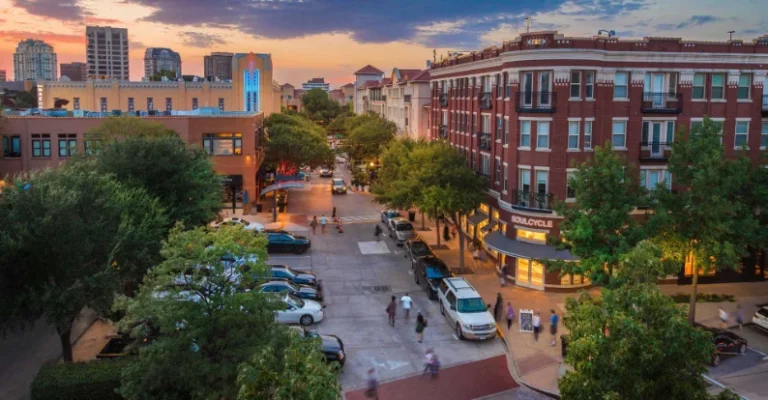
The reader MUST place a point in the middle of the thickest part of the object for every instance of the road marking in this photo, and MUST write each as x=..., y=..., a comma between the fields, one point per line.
x=758, y=352
x=274, y=257
x=720, y=385
x=361, y=218
x=397, y=364
x=373, y=248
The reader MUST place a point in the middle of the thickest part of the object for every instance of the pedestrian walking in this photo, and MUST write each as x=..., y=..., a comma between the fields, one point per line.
x=313, y=224
x=435, y=365
x=453, y=231
x=553, y=321
x=372, y=389
x=723, y=318
x=377, y=232
x=334, y=212
x=323, y=222
x=446, y=233
x=421, y=323
x=536, y=325
x=391, y=310
x=498, y=307
x=503, y=276
x=406, y=302
x=428, y=362
x=740, y=317
x=510, y=315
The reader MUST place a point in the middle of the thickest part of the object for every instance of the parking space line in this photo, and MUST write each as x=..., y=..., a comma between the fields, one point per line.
x=758, y=352
x=720, y=385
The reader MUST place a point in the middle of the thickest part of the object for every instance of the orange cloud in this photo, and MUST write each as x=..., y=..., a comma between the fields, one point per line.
x=105, y=21
x=48, y=37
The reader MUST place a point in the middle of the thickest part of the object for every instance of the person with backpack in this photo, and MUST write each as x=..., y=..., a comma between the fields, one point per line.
x=421, y=323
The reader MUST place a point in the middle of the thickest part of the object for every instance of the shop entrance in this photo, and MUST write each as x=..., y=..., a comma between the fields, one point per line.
x=530, y=274
x=233, y=192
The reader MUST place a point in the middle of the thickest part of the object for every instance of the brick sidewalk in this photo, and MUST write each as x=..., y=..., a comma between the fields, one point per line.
x=462, y=382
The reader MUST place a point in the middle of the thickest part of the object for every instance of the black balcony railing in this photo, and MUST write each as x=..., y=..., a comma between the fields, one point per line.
x=655, y=151
x=484, y=141
x=765, y=106
x=535, y=102
x=443, y=100
x=443, y=131
x=532, y=201
x=480, y=172
x=407, y=98
x=484, y=101
x=662, y=103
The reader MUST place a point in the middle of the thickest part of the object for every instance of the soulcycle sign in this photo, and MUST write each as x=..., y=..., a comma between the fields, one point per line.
x=532, y=222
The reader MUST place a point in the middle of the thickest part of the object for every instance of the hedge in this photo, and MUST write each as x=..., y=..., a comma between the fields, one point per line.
x=703, y=298
x=79, y=381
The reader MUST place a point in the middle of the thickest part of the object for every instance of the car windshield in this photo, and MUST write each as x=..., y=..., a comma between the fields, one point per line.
x=405, y=227
x=291, y=285
x=763, y=312
x=392, y=213
x=338, y=182
x=473, y=305
x=419, y=247
x=293, y=301
x=284, y=271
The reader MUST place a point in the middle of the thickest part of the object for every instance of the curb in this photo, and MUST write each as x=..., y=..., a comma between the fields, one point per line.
x=512, y=366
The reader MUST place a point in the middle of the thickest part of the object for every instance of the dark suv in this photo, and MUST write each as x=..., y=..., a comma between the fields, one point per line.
x=415, y=249
x=284, y=242
x=428, y=273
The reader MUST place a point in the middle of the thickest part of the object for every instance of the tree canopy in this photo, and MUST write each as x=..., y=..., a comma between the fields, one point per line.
x=367, y=136
x=158, y=76
x=67, y=241
x=319, y=107
x=294, y=141
x=114, y=128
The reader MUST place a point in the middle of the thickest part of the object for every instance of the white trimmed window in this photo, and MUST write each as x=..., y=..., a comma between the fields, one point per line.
x=764, y=136
x=542, y=182
x=698, y=86
x=497, y=175
x=745, y=80
x=589, y=84
x=718, y=86
x=506, y=131
x=573, y=135
x=621, y=85
x=741, y=138
x=570, y=192
x=651, y=178
x=588, y=135
x=619, y=134
x=445, y=118
x=506, y=177
x=486, y=124
x=542, y=134
x=485, y=166
x=525, y=134
x=575, y=84
x=499, y=126
x=524, y=183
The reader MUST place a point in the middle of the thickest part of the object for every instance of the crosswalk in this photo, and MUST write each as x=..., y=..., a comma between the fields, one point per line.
x=361, y=219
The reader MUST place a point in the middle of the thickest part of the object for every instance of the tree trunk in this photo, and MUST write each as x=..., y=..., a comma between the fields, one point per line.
x=437, y=221
x=423, y=226
x=66, y=344
x=461, y=243
x=694, y=287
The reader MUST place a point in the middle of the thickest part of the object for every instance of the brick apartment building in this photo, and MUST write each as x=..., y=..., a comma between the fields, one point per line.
x=527, y=113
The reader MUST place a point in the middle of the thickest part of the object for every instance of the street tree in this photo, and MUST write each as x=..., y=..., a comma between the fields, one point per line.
x=368, y=135
x=628, y=342
x=709, y=222
x=394, y=187
x=68, y=237
x=115, y=128
x=338, y=125
x=294, y=141
x=319, y=107
x=598, y=227
x=163, y=73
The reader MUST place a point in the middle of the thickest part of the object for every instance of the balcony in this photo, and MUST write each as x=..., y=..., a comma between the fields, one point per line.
x=662, y=103
x=535, y=102
x=655, y=151
x=481, y=173
x=765, y=106
x=484, y=141
x=443, y=100
x=407, y=98
x=484, y=100
x=443, y=131
x=533, y=202
x=383, y=98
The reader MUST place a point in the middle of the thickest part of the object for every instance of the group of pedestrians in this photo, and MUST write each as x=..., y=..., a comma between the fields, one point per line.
x=323, y=221
x=725, y=316
x=500, y=311
x=406, y=302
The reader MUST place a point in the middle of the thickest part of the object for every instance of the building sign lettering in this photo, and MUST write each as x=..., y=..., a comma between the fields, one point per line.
x=537, y=223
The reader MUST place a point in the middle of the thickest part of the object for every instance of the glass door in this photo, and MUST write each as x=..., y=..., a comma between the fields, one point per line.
x=530, y=274
x=656, y=150
x=544, y=95
x=527, y=95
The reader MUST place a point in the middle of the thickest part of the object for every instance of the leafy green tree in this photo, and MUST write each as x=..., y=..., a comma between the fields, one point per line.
x=198, y=323
x=627, y=343
x=115, y=128
x=319, y=107
x=163, y=73
x=339, y=124
x=393, y=187
x=67, y=241
x=23, y=98
x=293, y=141
x=644, y=263
x=709, y=222
x=598, y=227
x=368, y=135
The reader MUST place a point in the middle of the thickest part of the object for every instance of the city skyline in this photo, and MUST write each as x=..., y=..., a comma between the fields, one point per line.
x=402, y=35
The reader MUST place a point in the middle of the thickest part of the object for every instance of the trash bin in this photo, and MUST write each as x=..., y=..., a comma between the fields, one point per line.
x=259, y=207
x=411, y=216
x=564, y=343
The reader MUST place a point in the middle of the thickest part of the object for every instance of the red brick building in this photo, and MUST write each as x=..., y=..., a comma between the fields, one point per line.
x=526, y=113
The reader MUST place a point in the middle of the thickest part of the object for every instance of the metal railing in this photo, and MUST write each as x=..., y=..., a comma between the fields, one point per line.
x=532, y=201
x=443, y=100
x=484, y=141
x=659, y=151
x=484, y=100
x=662, y=103
x=535, y=102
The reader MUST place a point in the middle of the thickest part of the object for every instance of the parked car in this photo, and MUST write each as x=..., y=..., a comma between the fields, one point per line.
x=247, y=225
x=401, y=230
x=326, y=173
x=281, y=197
x=429, y=272
x=284, y=272
x=386, y=215
x=331, y=346
x=338, y=186
x=761, y=317
x=298, y=311
x=415, y=249
x=726, y=343
x=465, y=309
x=284, y=242
x=301, y=291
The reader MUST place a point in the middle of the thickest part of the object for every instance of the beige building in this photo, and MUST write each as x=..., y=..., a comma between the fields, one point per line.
x=290, y=98
x=251, y=89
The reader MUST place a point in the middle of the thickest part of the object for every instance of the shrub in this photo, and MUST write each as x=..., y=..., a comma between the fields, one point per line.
x=95, y=380
x=703, y=298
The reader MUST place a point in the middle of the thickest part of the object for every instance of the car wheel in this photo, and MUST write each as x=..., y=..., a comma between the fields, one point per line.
x=716, y=359
x=743, y=349
x=458, y=332
x=442, y=309
x=306, y=320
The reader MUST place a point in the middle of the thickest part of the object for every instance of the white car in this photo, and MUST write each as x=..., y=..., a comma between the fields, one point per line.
x=299, y=311
x=465, y=309
x=761, y=317
x=247, y=225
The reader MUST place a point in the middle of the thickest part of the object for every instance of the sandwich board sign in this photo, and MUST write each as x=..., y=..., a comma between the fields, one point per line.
x=526, y=320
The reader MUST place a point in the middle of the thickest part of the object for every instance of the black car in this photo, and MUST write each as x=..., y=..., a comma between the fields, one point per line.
x=284, y=242
x=287, y=273
x=428, y=273
x=331, y=346
x=726, y=344
x=302, y=291
x=415, y=249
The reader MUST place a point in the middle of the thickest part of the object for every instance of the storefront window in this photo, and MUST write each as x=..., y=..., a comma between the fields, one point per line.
x=223, y=144
x=484, y=208
x=689, y=271
x=503, y=228
x=530, y=272
x=531, y=236
x=495, y=215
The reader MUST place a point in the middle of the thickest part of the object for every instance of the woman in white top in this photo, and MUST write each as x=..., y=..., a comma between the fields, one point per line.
x=536, y=326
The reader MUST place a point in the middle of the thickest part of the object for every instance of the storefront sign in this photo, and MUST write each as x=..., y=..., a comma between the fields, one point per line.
x=533, y=222
x=526, y=320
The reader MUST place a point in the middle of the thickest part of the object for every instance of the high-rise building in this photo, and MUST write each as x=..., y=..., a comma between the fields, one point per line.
x=157, y=59
x=35, y=60
x=107, y=52
x=2, y=75
x=218, y=65
x=316, y=83
x=76, y=71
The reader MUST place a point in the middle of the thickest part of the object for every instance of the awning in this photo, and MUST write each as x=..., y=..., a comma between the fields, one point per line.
x=477, y=218
x=283, y=185
x=488, y=227
x=511, y=247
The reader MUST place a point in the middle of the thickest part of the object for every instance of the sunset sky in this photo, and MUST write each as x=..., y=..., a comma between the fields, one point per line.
x=333, y=38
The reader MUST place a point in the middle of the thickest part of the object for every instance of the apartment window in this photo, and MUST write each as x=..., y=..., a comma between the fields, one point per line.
x=506, y=177
x=150, y=104
x=588, y=135
x=542, y=180
x=130, y=104
x=651, y=178
x=542, y=134
x=486, y=124
x=12, y=146
x=619, y=135
x=698, y=86
x=742, y=135
x=406, y=121
x=194, y=103
x=525, y=134
x=589, y=84
x=445, y=118
x=499, y=85
x=41, y=145
x=473, y=127
x=103, y=104
x=575, y=84
x=718, y=86
x=67, y=145
x=506, y=131
x=573, y=135
x=507, y=86
x=223, y=144
x=525, y=180
x=89, y=147
x=221, y=104
x=620, y=85
x=764, y=136
x=485, y=164
x=497, y=176
x=76, y=103
x=744, y=83
x=168, y=104
x=570, y=191
x=499, y=126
